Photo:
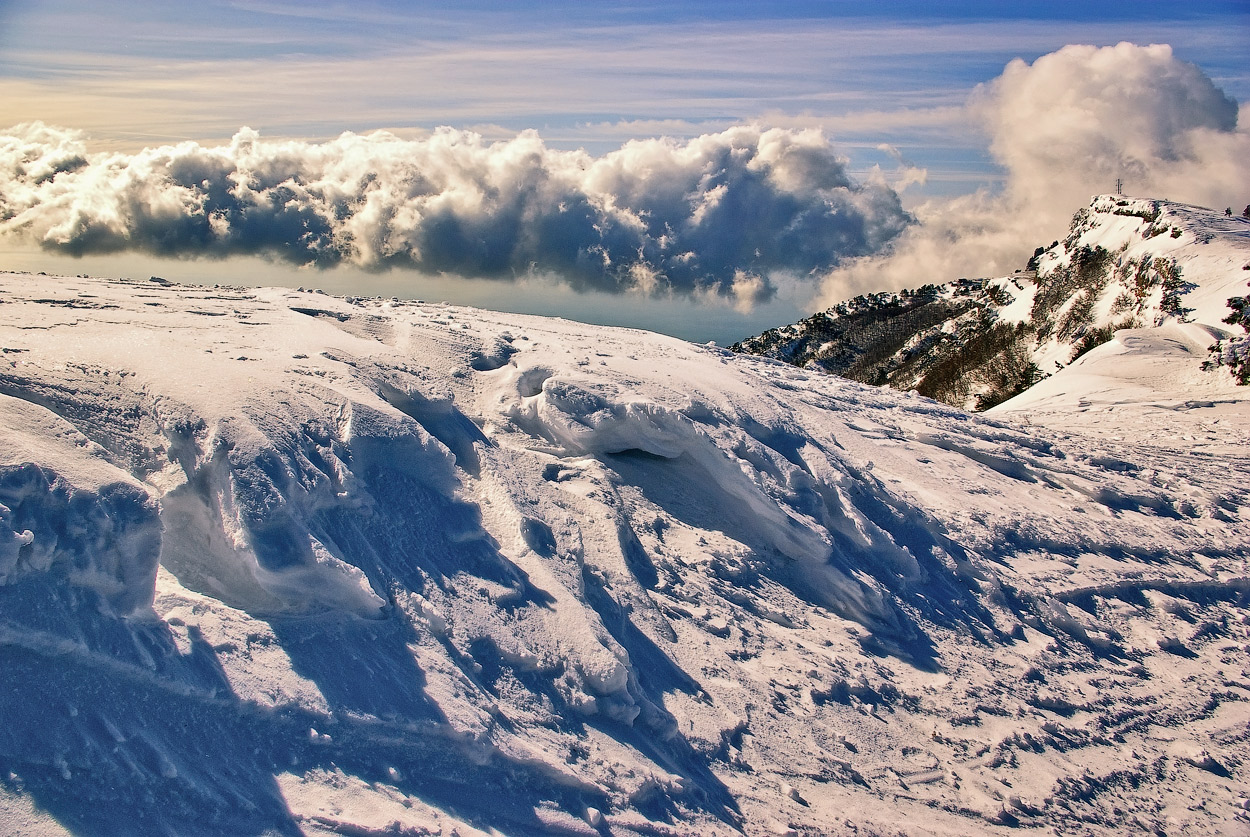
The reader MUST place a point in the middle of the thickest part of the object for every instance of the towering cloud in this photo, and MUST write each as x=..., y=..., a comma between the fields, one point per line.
x=1085, y=117
x=722, y=214
x=1070, y=125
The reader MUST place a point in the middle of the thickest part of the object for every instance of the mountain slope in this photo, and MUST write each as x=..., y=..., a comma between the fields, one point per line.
x=277, y=562
x=1125, y=264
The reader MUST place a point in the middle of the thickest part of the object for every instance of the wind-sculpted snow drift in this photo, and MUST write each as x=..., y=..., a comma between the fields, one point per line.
x=277, y=562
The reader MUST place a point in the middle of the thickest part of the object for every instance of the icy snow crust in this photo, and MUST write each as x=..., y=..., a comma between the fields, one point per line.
x=277, y=562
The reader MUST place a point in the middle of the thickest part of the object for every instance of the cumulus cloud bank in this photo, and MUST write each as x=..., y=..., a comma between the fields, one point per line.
x=1066, y=127
x=723, y=214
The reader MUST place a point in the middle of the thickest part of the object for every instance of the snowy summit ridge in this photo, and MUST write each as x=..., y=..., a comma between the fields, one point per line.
x=278, y=562
x=1148, y=268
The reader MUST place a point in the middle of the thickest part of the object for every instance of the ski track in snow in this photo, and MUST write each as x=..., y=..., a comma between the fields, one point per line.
x=278, y=562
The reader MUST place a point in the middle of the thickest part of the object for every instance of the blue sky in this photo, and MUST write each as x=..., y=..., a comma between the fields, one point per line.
x=584, y=75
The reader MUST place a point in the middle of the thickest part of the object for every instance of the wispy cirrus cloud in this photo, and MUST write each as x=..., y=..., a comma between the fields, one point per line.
x=315, y=71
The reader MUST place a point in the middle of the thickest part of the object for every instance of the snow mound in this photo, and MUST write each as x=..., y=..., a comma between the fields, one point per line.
x=425, y=568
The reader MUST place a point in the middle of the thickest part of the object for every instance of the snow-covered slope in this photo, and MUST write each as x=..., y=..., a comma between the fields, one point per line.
x=1127, y=265
x=277, y=562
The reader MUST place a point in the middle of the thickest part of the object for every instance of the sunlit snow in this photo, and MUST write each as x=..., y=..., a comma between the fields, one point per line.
x=273, y=561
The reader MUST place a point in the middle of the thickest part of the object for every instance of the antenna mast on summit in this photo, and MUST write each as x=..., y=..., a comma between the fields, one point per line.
x=1119, y=186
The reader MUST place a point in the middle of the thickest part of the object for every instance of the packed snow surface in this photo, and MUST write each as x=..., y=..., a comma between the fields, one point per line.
x=278, y=562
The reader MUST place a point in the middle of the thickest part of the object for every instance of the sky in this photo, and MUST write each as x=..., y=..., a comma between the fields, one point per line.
x=811, y=150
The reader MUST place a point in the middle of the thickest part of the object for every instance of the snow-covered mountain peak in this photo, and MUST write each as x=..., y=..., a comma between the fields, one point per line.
x=1126, y=267
x=1208, y=247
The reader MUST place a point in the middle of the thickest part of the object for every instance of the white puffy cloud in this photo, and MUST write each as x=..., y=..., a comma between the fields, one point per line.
x=1085, y=116
x=718, y=215
x=1064, y=128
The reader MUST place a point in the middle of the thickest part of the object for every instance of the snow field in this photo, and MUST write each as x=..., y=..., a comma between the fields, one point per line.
x=424, y=568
